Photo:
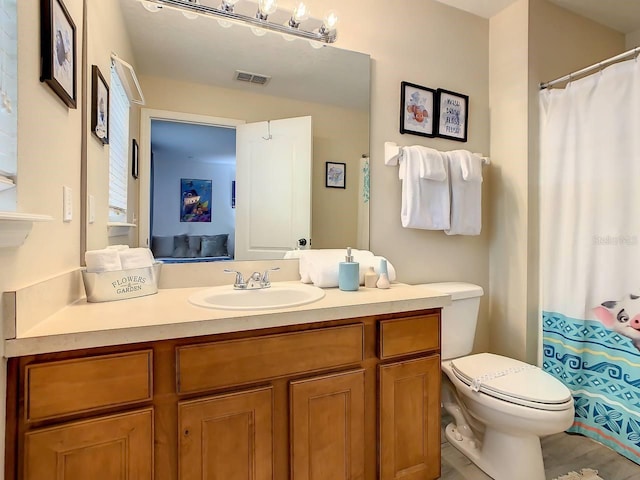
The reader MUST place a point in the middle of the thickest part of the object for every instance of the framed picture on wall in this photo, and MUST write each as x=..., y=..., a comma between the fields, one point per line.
x=336, y=175
x=195, y=200
x=453, y=113
x=58, y=50
x=99, y=105
x=417, y=115
x=134, y=158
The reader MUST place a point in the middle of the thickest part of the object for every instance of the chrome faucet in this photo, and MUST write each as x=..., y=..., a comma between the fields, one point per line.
x=256, y=279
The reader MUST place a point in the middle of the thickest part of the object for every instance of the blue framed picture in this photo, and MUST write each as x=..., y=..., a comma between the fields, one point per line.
x=195, y=200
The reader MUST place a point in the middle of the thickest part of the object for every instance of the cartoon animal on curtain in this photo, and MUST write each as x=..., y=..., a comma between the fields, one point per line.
x=622, y=316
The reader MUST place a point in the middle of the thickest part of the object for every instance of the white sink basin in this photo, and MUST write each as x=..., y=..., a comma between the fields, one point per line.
x=276, y=296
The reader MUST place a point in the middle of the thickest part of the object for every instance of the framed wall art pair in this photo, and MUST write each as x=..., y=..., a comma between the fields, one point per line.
x=430, y=113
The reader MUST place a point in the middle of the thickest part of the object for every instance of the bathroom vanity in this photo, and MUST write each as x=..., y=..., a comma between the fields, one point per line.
x=350, y=391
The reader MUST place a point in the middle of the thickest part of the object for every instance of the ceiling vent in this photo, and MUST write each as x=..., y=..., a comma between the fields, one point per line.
x=252, y=77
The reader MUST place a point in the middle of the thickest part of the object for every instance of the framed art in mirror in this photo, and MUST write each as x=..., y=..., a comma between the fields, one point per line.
x=195, y=200
x=453, y=113
x=58, y=50
x=336, y=175
x=135, y=161
x=417, y=115
x=99, y=105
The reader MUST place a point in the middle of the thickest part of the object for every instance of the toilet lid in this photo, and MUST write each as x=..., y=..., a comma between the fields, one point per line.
x=511, y=380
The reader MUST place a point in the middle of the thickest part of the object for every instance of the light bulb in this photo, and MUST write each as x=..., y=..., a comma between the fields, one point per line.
x=266, y=8
x=301, y=12
x=329, y=21
x=191, y=15
x=151, y=7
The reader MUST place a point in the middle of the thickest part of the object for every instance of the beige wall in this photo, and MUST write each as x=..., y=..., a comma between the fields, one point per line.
x=632, y=40
x=545, y=42
x=107, y=35
x=339, y=135
x=433, y=45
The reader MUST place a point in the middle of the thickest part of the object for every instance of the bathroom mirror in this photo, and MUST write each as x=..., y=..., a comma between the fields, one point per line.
x=189, y=67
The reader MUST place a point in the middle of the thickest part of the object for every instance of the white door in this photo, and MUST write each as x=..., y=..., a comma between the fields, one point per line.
x=273, y=187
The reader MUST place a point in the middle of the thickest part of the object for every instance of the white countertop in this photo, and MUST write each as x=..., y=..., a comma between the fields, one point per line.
x=168, y=314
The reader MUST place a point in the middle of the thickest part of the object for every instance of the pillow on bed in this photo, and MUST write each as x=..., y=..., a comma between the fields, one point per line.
x=162, y=246
x=194, y=246
x=180, y=246
x=214, y=245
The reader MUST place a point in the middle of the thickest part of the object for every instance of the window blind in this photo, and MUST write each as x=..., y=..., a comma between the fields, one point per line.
x=118, y=149
x=8, y=97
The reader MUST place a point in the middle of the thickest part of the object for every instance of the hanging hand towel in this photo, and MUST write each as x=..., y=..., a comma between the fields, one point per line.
x=425, y=190
x=465, y=172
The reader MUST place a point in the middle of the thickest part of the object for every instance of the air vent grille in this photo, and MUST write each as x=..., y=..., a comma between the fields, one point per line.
x=256, y=78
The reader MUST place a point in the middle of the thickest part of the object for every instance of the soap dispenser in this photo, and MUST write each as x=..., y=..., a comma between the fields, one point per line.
x=383, y=280
x=349, y=273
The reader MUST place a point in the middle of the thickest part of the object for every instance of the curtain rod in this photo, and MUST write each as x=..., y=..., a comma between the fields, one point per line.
x=595, y=66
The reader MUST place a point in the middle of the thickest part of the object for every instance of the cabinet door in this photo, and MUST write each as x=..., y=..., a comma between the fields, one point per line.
x=410, y=419
x=327, y=427
x=118, y=447
x=227, y=436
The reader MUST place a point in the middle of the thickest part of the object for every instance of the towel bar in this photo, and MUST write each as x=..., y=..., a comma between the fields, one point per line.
x=393, y=153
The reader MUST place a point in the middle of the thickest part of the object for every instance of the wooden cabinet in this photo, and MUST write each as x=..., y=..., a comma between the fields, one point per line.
x=227, y=436
x=117, y=447
x=410, y=419
x=327, y=427
x=353, y=399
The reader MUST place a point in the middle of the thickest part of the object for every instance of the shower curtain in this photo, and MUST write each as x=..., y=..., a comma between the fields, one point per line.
x=590, y=250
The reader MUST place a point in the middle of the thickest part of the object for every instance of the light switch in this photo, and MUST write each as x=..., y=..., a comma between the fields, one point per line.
x=67, y=204
x=92, y=209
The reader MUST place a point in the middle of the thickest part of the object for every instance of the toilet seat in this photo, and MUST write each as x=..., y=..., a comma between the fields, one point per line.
x=511, y=380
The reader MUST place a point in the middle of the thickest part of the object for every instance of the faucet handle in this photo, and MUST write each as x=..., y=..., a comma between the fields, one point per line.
x=239, y=283
x=265, y=277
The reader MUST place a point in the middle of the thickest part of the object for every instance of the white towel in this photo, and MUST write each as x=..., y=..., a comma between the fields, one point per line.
x=136, y=258
x=425, y=190
x=117, y=247
x=465, y=172
x=320, y=266
x=105, y=260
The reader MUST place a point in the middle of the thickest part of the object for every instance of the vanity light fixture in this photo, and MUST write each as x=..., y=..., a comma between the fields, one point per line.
x=225, y=14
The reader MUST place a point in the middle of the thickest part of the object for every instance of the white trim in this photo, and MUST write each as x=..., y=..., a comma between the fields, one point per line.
x=146, y=116
x=15, y=227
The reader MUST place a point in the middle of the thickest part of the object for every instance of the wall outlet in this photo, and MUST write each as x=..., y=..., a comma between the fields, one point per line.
x=67, y=204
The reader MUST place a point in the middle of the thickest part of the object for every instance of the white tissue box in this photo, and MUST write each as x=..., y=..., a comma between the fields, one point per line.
x=121, y=284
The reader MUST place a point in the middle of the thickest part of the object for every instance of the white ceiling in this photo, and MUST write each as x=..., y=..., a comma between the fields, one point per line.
x=621, y=15
x=166, y=44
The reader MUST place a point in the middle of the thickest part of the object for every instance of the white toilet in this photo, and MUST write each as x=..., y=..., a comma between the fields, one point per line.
x=500, y=406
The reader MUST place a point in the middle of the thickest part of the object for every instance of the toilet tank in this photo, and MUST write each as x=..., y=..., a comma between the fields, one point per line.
x=459, y=320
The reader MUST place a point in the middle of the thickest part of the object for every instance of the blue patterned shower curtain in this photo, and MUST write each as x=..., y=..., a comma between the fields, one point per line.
x=590, y=250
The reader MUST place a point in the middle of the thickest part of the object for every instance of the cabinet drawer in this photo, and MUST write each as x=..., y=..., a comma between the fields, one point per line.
x=236, y=362
x=409, y=335
x=60, y=388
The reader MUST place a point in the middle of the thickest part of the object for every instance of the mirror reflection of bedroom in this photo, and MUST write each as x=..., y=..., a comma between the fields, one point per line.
x=193, y=171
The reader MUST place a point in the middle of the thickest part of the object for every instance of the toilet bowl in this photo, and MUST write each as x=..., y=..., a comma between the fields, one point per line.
x=500, y=406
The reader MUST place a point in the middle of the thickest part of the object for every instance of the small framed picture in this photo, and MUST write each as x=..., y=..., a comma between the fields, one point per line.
x=453, y=114
x=134, y=158
x=58, y=50
x=336, y=175
x=99, y=105
x=417, y=114
x=233, y=194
